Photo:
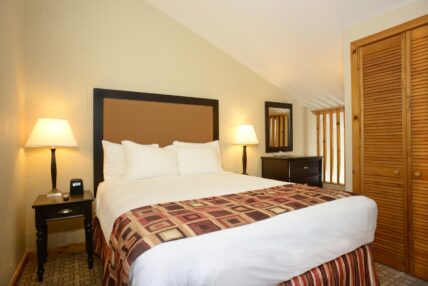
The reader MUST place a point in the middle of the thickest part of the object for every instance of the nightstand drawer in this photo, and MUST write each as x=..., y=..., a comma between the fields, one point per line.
x=299, y=168
x=59, y=212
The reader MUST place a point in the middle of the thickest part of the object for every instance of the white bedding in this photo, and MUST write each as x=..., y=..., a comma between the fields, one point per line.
x=263, y=253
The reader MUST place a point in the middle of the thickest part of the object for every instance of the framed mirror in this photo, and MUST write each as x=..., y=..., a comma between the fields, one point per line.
x=278, y=126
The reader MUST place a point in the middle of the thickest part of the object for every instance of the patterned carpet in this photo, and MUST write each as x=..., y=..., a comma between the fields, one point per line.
x=72, y=269
x=389, y=276
x=64, y=269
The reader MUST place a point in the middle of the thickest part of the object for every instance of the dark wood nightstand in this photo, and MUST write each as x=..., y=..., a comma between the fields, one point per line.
x=50, y=209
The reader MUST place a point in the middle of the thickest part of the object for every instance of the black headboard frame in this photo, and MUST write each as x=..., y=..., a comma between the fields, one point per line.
x=98, y=118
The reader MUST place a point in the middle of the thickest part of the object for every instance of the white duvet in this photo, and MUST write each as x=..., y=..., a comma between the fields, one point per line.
x=262, y=253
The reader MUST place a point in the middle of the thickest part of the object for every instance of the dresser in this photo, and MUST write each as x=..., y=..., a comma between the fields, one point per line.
x=295, y=169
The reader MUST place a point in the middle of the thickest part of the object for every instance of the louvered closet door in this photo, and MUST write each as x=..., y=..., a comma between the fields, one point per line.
x=419, y=149
x=383, y=145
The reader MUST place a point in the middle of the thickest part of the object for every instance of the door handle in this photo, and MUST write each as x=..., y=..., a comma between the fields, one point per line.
x=417, y=174
x=305, y=167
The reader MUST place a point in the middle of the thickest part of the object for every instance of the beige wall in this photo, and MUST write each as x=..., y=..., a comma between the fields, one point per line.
x=12, y=244
x=311, y=133
x=379, y=23
x=73, y=46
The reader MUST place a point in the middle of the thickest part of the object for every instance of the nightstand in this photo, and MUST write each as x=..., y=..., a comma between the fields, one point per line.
x=50, y=209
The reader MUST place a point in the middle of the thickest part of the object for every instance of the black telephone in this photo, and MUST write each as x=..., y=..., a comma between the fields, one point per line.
x=76, y=187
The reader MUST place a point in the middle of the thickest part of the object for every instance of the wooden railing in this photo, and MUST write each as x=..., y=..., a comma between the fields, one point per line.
x=278, y=136
x=331, y=143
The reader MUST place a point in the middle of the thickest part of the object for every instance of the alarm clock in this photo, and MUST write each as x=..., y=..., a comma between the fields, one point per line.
x=76, y=187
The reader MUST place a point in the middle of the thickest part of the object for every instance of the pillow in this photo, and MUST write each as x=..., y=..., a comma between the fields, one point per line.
x=114, y=161
x=198, y=160
x=143, y=161
x=213, y=144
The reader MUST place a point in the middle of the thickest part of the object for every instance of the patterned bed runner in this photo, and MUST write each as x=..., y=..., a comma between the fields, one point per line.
x=137, y=230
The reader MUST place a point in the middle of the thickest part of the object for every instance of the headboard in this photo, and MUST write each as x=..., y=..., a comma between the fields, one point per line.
x=148, y=118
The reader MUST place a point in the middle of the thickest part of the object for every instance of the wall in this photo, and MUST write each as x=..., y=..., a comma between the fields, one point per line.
x=12, y=88
x=311, y=133
x=379, y=23
x=73, y=46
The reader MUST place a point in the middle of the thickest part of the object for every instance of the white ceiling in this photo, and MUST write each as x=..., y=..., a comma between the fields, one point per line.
x=294, y=44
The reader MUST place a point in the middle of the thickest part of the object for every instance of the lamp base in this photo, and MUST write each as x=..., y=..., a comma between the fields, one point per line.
x=244, y=160
x=54, y=193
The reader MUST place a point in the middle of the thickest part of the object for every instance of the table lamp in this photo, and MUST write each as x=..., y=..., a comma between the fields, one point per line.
x=52, y=132
x=244, y=136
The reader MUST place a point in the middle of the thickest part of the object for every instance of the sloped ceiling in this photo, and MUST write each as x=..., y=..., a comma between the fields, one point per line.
x=294, y=44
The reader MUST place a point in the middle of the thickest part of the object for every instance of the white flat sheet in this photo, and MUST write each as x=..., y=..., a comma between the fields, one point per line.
x=262, y=253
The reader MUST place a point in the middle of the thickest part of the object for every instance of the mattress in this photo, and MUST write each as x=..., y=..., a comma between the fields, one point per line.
x=263, y=253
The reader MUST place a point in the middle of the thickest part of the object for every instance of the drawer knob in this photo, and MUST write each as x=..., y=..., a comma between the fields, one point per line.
x=305, y=167
x=417, y=174
x=65, y=211
x=396, y=172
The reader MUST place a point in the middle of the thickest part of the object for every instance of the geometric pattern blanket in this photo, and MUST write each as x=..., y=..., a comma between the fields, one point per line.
x=140, y=229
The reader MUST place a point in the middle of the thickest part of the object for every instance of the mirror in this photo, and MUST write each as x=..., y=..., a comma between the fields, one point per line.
x=278, y=126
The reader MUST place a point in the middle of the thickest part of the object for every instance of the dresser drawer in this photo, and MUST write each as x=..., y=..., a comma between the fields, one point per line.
x=309, y=180
x=275, y=169
x=59, y=212
x=299, y=168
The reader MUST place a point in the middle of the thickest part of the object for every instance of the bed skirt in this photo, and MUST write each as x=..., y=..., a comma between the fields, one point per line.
x=355, y=268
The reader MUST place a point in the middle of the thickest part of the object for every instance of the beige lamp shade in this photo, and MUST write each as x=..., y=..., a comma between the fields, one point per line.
x=51, y=132
x=245, y=135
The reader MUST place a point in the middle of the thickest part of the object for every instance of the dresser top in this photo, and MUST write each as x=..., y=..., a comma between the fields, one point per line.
x=291, y=157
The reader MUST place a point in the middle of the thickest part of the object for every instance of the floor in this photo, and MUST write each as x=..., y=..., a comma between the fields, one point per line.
x=64, y=269
x=72, y=269
x=389, y=276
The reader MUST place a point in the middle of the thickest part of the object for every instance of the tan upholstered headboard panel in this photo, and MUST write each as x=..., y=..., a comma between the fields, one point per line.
x=156, y=122
x=150, y=118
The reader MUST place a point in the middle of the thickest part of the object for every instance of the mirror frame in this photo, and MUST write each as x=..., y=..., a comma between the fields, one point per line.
x=288, y=106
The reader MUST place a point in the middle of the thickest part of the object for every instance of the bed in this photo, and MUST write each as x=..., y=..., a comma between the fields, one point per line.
x=322, y=238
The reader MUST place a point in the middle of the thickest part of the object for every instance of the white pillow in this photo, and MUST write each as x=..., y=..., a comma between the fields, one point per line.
x=143, y=162
x=114, y=161
x=198, y=160
x=213, y=144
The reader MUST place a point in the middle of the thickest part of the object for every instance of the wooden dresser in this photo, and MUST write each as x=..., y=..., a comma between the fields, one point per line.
x=296, y=169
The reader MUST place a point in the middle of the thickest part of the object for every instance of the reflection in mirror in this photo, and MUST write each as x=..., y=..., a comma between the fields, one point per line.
x=279, y=135
x=278, y=126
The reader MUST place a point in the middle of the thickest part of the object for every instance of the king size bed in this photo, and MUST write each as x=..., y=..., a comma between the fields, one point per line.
x=205, y=226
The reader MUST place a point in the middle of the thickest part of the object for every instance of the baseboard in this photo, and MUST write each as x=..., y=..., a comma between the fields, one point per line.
x=19, y=269
x=66, y=249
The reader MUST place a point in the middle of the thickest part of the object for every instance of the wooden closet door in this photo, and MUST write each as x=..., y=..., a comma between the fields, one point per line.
x=418, y=73
x=383, y=145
